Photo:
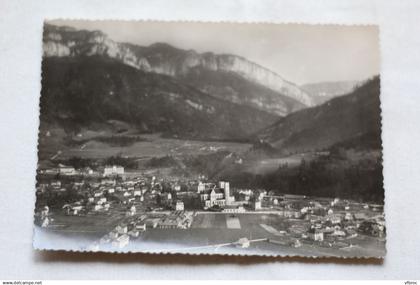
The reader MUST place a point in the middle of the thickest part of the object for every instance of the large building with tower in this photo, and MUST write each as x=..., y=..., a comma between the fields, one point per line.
x=216, y=195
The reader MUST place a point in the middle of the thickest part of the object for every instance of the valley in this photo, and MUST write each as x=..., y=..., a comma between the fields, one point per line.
x=155, y=145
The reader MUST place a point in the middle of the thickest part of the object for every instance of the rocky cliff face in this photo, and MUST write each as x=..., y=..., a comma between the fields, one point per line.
x=257, y=74
x=165, y=59
x=189, y=60
x=83, y=92
x=64, y=41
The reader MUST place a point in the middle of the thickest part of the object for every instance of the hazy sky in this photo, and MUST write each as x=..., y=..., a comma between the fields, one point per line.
x=299, y=53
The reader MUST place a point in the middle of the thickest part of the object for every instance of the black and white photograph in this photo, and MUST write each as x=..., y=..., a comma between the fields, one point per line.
x=210, y=138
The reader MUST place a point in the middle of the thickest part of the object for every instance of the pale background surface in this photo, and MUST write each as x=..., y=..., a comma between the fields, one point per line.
x=20, y=54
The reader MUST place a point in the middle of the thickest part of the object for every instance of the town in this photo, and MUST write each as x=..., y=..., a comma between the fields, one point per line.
x=136, y=206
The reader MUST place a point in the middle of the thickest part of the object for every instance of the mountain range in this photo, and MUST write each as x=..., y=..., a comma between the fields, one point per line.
x=321, y=92
x=80, y=91
x=228, y=77
x=96, y=90
x=88, y=78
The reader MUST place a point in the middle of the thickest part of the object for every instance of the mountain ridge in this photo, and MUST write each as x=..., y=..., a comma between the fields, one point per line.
x=351, y=117
x=163, y=58
x=326, y=90
x=79, y=91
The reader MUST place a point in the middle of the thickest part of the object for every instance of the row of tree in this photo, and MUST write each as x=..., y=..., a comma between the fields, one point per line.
x=322, y=178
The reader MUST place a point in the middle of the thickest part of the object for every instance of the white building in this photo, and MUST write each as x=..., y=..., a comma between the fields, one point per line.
x=121, y=229
x=213, y=197
x=56, y=184
x=243, y=243
x=316, y=235
x=121, y=241
x=101, y=200
x=66, y=170
x=141, y=227
x=201, y=187
x=217, y=196
x=348, y=216
x=257, y=205
x=132, y=211
x=44, y=212
x=334, y=218
x=113, y=170
x=179, y=206
x=113, y=235
x=97, y=207
x=226, y=189
x=234, y=209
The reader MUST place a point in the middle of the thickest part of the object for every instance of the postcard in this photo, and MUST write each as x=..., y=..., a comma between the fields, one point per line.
x=210, y=138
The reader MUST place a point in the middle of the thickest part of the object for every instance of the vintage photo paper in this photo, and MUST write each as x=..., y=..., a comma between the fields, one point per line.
x=215, y=138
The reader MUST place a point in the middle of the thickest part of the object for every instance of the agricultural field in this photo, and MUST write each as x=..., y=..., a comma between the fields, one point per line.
x=154, y=146
x=95, y=224
x=150, y=145
x=212, y=233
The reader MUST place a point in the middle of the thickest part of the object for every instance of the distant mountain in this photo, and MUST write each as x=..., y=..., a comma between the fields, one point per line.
x=228, y=77
x=85, y=90
x=352, y=120
x=321, y=92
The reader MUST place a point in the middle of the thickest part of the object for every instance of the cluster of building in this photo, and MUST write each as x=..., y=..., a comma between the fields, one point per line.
x=337, y=229
x=330, y=222
x=120, y=236
x=152, y=203
x=111, y=186
x=100, y=193
x=65, y=170
x=132, y=227
x=325, y=220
